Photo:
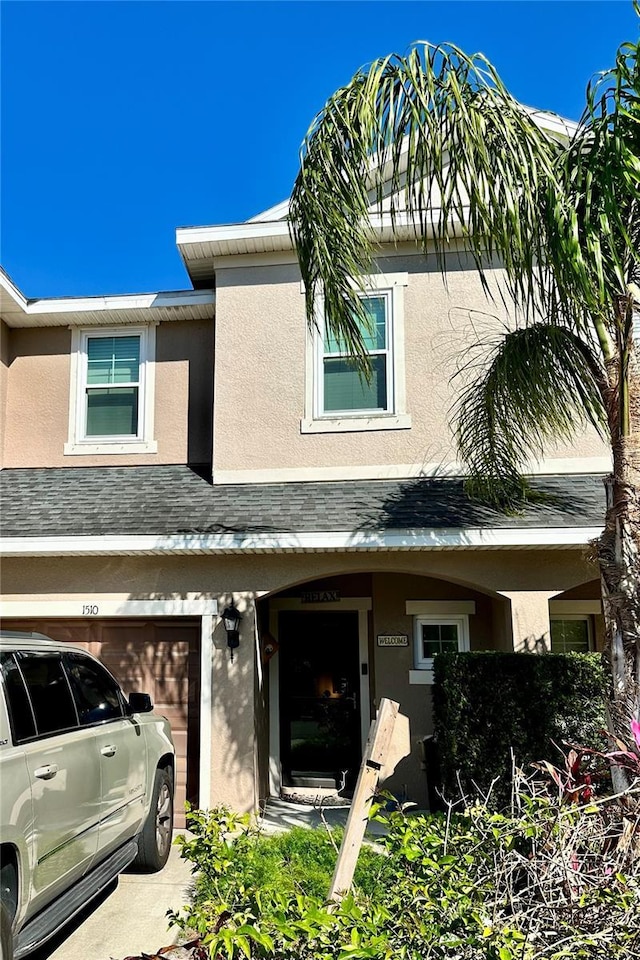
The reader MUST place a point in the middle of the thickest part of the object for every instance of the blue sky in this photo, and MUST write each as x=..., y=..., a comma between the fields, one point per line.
x=124, y=120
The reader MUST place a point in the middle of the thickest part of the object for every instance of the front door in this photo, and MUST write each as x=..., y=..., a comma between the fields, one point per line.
x=320, y=733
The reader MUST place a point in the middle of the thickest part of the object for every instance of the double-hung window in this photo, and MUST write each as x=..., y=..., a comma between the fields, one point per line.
x=111, y=391
x=111, y=405
x=339, y=397
x=342, y=388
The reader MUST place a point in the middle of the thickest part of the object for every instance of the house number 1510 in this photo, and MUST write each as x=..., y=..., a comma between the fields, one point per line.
x=89, y=609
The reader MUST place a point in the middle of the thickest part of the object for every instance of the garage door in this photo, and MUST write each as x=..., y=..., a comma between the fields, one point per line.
x=159, y=657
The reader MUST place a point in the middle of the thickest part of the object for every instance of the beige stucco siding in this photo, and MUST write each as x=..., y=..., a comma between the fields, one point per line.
x=238, y=731
x=4, y=377
x=175, y=576
x=37, y=398
x=260, y=322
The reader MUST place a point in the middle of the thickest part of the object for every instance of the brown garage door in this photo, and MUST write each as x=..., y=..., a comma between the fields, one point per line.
x=159, y=657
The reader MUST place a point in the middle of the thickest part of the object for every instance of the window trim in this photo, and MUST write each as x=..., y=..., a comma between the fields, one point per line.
x=586, y=618
x=78, y=443
x=395, y=417
x=424, y=665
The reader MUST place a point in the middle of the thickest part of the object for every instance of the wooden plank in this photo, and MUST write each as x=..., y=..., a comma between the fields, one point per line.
x=375, y=757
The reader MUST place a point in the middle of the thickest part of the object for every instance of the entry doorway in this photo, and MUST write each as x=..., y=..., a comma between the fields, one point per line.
x=320, y=708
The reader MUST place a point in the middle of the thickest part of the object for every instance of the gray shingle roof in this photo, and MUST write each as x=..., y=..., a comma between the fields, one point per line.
x=169, y=500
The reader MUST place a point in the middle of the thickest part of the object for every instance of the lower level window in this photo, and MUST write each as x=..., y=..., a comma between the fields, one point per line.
x=571, y=635
x=439, y=635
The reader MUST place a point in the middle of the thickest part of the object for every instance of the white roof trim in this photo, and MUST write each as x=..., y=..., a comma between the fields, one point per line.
x=17, y=310
x=16, y=295
x=348, y=541
x=232, y=231
x=215, y=241
x=278, y=212
x=130, y=301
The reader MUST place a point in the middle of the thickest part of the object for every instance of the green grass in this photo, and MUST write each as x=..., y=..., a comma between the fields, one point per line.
x=299, y=861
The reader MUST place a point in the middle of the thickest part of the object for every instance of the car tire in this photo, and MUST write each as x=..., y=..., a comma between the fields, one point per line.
x=154, y=840
x=6, y=936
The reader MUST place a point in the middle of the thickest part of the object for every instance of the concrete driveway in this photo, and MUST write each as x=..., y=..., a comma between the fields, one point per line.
x=127, y=919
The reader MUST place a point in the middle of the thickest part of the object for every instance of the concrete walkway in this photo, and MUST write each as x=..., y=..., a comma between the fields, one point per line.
x=282, y=815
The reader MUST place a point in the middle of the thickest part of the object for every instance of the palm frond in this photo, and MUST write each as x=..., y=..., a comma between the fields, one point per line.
x=539, y=383
x=601, y=206
x=436, y=145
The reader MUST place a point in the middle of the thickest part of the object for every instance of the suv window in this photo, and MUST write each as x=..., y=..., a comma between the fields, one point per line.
x=48, y=691
x=97, y=695
x=23, y=725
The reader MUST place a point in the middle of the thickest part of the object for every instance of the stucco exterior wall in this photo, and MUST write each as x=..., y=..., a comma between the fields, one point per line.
x=175, y=576
x=239, y=689
x=393, y=665
x=37, y=398
x=4, y=377
x=260, y=322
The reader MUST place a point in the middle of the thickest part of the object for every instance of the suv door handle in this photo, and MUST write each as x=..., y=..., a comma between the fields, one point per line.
x=46, y=773
x=109, y=750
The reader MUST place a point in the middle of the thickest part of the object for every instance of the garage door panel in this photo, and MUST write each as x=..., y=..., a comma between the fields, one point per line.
x=158, y=657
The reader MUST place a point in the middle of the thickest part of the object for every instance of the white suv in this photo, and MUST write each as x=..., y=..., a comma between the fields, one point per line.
x=87, y=786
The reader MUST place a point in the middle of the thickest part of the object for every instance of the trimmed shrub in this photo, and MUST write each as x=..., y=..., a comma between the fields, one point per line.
x=487, y=705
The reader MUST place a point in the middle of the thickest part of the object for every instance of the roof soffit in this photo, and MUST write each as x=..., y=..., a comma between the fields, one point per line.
x=17, y=311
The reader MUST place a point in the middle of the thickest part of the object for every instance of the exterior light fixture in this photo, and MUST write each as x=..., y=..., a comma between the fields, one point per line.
x=231, y=618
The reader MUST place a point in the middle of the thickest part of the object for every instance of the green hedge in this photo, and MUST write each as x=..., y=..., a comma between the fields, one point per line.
x=486, y=704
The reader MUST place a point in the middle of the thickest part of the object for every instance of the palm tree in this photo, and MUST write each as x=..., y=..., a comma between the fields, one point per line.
x=433, y=145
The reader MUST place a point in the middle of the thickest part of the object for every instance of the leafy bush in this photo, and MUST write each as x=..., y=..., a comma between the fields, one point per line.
x=488, y=704
x=549, y=881
x=297, y=861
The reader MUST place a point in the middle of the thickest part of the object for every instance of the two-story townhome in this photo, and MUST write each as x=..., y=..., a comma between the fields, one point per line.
x=167, y=455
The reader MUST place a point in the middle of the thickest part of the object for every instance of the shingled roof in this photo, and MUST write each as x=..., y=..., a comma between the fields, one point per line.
x=175, y=500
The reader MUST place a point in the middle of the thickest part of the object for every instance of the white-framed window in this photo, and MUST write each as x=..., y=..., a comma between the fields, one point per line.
x=571, y=633
x=342, y=391
x=338, y=397
x=111, y=396
x=438, y=634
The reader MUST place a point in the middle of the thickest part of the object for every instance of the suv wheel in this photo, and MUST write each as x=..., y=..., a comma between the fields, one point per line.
x=154, y=840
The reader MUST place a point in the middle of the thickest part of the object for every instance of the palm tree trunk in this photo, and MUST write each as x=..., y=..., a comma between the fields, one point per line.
x=619, y=559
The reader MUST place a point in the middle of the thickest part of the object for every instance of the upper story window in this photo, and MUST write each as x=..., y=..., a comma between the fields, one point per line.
x=338, y=397
x=111, y=403
x=342, y=390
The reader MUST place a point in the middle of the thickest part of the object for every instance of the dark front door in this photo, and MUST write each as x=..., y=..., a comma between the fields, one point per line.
x=320, y=740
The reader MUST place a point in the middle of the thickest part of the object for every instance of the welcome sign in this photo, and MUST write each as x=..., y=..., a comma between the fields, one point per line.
x=393, y=640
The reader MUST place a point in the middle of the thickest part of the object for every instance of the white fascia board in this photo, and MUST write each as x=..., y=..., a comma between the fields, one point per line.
x=551, y=122
x=133, y=301
x=21, y=309
x=245, y=235
x=419, y=539
x=15, y=294
x=232, y=231
x=280, y=211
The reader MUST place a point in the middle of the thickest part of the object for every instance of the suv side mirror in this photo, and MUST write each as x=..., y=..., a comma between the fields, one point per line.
x=140, y=703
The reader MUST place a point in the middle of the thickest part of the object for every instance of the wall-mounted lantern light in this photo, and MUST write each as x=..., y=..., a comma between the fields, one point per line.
x=231, y=618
